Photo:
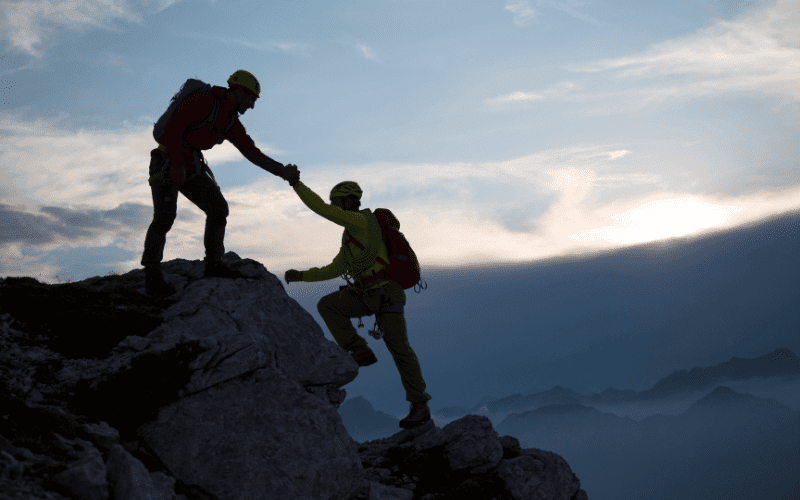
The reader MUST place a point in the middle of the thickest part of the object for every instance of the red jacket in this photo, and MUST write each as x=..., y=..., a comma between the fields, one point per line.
x=196, y=108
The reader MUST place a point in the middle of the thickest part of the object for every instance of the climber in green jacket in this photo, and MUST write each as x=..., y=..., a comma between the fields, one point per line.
x=385, y=298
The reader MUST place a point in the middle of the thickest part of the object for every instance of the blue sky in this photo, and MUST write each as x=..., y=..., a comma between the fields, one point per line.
x=498, y=131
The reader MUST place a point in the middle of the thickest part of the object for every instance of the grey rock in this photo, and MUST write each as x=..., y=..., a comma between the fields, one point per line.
x=85, y=478
x=467, y=458
x=128, y=479
x=383, y=492
x=292, y=448
x=164, y=485
x=102, y=435
x=328, y=393
x=472, y=443
x=539, y=475
x=135, y=343
x=223, y=377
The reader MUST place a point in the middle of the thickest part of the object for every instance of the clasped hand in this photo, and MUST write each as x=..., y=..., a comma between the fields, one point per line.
x=291, y=174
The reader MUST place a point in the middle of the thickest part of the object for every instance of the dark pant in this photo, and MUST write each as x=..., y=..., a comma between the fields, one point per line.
x=203, y=192
x=336, y=310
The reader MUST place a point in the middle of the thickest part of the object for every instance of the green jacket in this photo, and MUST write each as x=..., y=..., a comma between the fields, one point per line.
x=350, y=261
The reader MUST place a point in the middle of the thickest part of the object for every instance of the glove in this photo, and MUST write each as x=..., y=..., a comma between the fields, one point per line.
x=291, y=174
x=293, y=275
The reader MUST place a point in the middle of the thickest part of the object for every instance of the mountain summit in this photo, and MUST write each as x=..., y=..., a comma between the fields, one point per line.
x=227, y=390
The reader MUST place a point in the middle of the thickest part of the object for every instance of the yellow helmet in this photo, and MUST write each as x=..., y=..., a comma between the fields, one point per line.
x=346, y=188
x=246, y=80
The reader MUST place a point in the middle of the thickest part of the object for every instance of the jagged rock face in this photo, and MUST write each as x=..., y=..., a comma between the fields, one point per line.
x=230, y=392
x=465, y=460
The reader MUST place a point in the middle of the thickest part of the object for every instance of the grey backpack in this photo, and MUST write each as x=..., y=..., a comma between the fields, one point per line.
x=189, y=87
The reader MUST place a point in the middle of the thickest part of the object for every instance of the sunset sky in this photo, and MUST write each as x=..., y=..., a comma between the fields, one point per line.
x=497, y=131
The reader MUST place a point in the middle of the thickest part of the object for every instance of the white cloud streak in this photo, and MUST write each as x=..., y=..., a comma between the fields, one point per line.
x=290, y=48
x=569, y=7
x=560, y=90
x=30, y=26
x=367, y=52
x=757, y=53
x=524, y=14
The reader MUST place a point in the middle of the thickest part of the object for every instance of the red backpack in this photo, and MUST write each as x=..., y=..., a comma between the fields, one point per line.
x=403, y=266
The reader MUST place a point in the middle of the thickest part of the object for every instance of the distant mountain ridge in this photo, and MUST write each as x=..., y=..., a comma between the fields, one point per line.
x=718, y=430
x=364, y=423
x=780, y=362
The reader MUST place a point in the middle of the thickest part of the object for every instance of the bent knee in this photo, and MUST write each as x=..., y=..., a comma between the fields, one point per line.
x=163, y=221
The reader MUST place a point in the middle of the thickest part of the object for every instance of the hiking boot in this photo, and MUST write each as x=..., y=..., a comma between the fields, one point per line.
x=155, y=284
x=220, y=270
x=364, y=356
x=419, y=414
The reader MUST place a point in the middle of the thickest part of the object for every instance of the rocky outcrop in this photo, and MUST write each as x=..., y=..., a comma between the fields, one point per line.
x=466, y=459
x=228, y=390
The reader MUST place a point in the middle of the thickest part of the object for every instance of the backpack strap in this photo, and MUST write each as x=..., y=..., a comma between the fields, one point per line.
x=377, y=276
x=380, y=274
x=211, y=119
x=354, y=241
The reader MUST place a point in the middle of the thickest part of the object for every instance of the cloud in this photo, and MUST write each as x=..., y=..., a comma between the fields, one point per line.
x=367, y=52
x=30, y=26
x=68, y=225
x=524, y=14
x=281, y=47
x=759, y=52
x=569, y=7
x=517, y=97
x=560, y=90
x=617, y=154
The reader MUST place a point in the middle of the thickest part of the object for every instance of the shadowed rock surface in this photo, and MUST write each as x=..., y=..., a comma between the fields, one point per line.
x=465, y=460
x=227, y=390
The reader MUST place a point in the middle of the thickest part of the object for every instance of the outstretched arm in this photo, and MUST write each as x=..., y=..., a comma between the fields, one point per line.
x=348, y=219
x=244, y=143
x=332, y=270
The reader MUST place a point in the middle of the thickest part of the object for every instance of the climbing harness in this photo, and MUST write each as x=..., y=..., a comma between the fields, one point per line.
x=391, y=307
x=200, y=167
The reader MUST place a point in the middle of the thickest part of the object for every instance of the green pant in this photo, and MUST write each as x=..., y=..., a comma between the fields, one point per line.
x=203, y=192
x=336, y=310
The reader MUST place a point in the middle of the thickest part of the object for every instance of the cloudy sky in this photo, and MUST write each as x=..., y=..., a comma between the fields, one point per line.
x=497, y=131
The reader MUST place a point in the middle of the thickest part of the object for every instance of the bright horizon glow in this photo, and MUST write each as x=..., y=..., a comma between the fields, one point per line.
x=657, y=220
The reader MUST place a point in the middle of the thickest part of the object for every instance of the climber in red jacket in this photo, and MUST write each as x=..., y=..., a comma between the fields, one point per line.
x=177, y=165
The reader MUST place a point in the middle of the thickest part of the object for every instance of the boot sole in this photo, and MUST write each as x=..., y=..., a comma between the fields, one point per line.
x=367, y=361
x=416, y=423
